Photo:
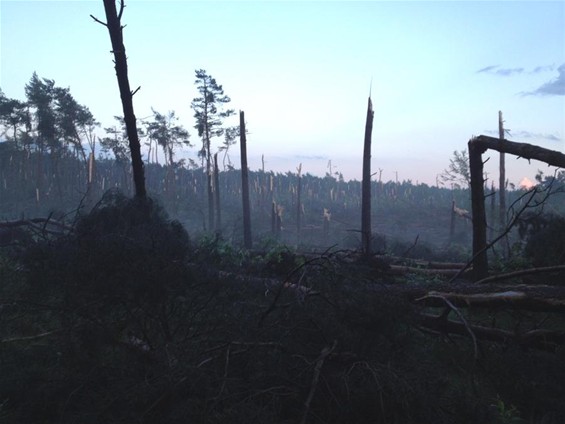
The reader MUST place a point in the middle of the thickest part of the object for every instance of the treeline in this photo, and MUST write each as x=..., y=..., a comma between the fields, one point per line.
x=51, y=159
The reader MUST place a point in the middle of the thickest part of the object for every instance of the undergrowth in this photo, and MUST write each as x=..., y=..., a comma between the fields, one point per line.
x=127, y=321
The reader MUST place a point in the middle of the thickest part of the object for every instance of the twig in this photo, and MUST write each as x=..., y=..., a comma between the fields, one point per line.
x=411, y=247
x=27, y=338
x=319, y=363
x=98, y=20
x=461, y=317
x=532, y=193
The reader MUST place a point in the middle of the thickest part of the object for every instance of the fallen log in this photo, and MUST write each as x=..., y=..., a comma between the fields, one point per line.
x=539, y=339
x=507, y=299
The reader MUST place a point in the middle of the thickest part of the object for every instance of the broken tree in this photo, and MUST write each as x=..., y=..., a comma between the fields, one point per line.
x=114, y=25
x=477, y=146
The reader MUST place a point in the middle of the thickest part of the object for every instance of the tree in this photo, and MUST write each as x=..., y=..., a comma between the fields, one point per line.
x=165, y=131
x=366, y=183
x=73, y=121
x=115, y=28
x=14, y=115
x=209, y=115
x=458, y=172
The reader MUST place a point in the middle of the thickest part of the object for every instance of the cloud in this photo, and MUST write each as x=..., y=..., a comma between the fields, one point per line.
x=555, y=87
x=542, y=68
x=503, y=72
x=487, y=69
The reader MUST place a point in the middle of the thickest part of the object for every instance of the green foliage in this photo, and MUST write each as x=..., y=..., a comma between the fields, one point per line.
x=507, y=414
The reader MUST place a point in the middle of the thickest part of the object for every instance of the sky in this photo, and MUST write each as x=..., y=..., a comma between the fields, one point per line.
x=438, y=73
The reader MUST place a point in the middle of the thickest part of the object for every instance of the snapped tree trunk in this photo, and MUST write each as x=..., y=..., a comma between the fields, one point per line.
x=113, y=23
x=502, y=186
x=247, y=240
x=366, y=185
x=217, y=195
x=298, y=203
x=480, y=262
x=210, y=188
x=477, y=146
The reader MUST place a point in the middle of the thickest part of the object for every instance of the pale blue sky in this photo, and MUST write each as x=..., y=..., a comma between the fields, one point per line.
x=302, y=71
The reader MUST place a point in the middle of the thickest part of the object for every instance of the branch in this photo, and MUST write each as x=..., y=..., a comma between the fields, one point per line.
x=319, y=363
x=122, y=5
x=540, y=339
x=520, y=273
x=99, y=21
x=461, y=317
x=532, y=193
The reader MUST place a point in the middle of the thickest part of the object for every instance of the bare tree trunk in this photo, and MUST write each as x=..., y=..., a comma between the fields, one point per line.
x=298, y=203
x=502, y=185
x=120, y=59
x=210, y=188
x=366, y=189
x=477, y=146
x=480, y=263
x=218, y=224
x=247, y=239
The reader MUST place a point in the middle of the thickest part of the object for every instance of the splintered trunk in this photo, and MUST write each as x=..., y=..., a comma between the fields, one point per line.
x=502, y=184
x=247, y=240
x=298, y=203
x=113, y=23
x=210, y=188
x=477, y=146
x=218, y=225
x=366, y=185
x=89, y=182
x=480, y=259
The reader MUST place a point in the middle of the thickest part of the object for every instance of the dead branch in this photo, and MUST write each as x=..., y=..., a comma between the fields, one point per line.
x=540, y=339
x=521, y=273
x=402, y=269
x=510, y=299
x=452, y=307
x=319, y=363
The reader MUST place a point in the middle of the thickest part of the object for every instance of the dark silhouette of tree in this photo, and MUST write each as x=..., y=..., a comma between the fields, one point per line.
x=209, y=115
x=74, y=122
x=247, y=239
x=164, y=130
x=458, y=172
x=15, y=117
x=115, y=28
x=366, y=183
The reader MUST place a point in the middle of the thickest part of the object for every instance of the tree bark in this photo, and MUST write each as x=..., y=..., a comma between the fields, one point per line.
x=477, y=146
x=218, y=225
x=480, y=263
x=366, y=184
x=247, y=239
x=298, y=203
x=115, y=29
x=502, y=186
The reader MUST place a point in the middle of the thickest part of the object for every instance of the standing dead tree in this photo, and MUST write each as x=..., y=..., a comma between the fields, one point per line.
x=366, y=184
x=477, y=146
x=114, y=25
x=247, y=240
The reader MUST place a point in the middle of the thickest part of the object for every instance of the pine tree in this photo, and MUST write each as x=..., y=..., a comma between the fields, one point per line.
x=209, y=115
